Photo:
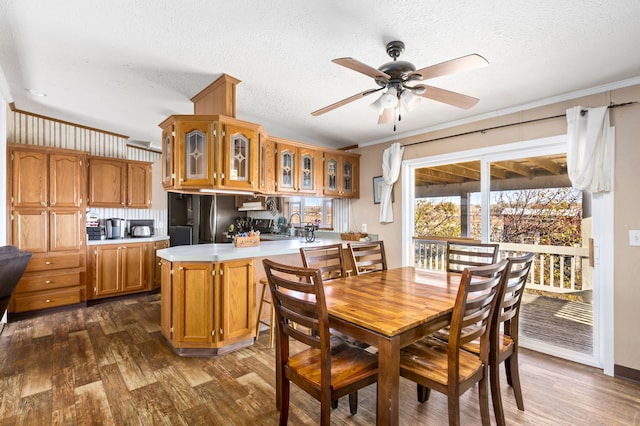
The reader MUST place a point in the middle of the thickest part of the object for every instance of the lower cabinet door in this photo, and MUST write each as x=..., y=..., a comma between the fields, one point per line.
x=237, y=300
x=193, y=308
x=133, y=262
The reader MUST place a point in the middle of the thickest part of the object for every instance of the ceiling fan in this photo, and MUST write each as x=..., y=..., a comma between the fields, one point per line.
x=396, y=76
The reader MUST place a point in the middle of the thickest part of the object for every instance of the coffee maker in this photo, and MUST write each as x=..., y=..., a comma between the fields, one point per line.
x=115, y=228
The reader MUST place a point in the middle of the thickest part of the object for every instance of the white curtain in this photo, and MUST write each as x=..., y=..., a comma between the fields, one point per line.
x=589, y=149
x=342, y=215
x=391, y=162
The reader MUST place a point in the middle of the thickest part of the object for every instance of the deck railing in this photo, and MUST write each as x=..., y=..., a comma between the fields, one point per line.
x=555, y=269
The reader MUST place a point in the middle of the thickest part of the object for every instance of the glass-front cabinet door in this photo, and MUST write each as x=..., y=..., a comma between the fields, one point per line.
x=195, y=154
x=348, y=186
x=168, y=175
x=240, y=156
x=298, y=169
x=309, y=170
x=341, y=175
x=286, y=168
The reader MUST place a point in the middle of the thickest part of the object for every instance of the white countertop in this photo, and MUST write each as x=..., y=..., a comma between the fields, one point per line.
x=128, y=240
x=222, y=252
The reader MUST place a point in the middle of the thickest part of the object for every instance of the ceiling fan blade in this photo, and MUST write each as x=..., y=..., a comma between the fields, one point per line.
x=449, y=67
x=344, y=102
x=448, y=97
x=365, y=69
x=386, y=116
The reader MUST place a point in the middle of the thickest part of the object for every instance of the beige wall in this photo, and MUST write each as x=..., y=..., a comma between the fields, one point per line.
x=626, y=192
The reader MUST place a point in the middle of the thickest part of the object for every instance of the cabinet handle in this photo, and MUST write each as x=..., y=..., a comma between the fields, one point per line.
x=43, y=204
x=47, y=262
x=47, y=282
x=48, y=301
x=53, y=203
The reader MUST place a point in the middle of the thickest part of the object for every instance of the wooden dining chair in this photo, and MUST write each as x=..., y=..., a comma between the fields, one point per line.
x=328, y=367
x=469, y=254
x=445, y=366
x=328, y=258
x=504, y=344
x=368, y=256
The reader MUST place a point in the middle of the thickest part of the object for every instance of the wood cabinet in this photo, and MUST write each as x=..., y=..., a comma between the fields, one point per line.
x=208, y=308
x=298, y=167
x=209, y=152
x=120, y=268
x=138, y=185
x=157, y=265
x=46, y=207
x=266, y=164
x=119, y=183
x=341, y=173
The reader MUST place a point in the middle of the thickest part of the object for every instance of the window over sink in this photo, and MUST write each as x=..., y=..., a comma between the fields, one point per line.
x=316, y=210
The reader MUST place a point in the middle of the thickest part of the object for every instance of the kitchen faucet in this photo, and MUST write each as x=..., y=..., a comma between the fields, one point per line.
x=299, y=221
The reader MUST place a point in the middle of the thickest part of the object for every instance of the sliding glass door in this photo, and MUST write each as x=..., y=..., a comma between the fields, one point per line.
x=519, y=196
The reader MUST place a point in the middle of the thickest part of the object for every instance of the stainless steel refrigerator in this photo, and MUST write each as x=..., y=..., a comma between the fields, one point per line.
x=200, y=219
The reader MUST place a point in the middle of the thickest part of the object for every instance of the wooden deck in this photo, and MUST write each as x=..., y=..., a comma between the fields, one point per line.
x=563, y=323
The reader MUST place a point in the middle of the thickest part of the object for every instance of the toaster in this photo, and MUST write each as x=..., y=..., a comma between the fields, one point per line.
x=140, y=231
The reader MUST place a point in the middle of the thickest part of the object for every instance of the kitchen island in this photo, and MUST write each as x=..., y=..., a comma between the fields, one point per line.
x=209, y=292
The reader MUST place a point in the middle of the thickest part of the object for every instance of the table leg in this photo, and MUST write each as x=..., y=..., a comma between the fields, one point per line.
x=388, y=382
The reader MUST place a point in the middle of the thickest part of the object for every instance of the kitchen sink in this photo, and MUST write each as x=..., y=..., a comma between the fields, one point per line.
x=277, y=237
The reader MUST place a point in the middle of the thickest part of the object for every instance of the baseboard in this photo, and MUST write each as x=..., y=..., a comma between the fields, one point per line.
x=626, y=373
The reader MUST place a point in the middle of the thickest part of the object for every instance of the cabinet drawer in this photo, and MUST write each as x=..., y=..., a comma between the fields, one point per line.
x=46, y=299
x=47, y=263
x=47, y=282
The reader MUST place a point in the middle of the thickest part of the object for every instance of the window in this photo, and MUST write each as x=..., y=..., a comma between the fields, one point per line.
x=311, y=209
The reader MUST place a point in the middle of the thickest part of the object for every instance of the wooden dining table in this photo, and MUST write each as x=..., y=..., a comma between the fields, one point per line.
x=389, y=310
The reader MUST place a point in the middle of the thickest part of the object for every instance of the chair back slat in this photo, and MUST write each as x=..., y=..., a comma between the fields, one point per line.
x=329, y=259
x=461, y=255
x=298, y=298
x=480, y=289
x=519, y=268
x=368, y=256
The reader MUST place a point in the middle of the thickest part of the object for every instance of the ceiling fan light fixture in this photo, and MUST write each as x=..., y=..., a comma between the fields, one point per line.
x=389, y=99
x=409, y=100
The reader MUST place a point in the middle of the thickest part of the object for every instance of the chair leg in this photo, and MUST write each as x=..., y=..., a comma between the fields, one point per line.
x=423, y=393
x=483, y=392
x=264, y=288
x=496, y=396
x=453, y=402
x=284, y=411
x=353, y=403
x=272, y=327
x=334, y=404
x=512, y=362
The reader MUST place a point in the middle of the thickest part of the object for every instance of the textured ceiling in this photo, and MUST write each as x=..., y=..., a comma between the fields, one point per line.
x=124, y=66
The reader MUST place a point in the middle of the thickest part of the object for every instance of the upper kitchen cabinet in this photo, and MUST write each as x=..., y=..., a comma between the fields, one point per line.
x=32, y=188
x=298, y=168
x=107, y=182
x=138, y=185
x=266, y=164
x=209, y=152
x=341, y=171
x=239, y=154
x=119, y=183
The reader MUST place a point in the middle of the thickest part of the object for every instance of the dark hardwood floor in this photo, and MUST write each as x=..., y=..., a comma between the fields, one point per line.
x=108, y=364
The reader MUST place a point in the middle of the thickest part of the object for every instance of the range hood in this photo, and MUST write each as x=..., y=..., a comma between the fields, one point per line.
x=252, y=206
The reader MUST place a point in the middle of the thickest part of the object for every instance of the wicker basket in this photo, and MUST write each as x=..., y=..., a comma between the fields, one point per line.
x=251, y=241
x=352, y=236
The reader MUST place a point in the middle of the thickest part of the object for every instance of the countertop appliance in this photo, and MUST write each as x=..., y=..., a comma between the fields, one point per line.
x=140, y=228
x=115, y=228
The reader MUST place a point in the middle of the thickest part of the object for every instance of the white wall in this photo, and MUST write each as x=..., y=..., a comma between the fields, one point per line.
x=3, y=161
